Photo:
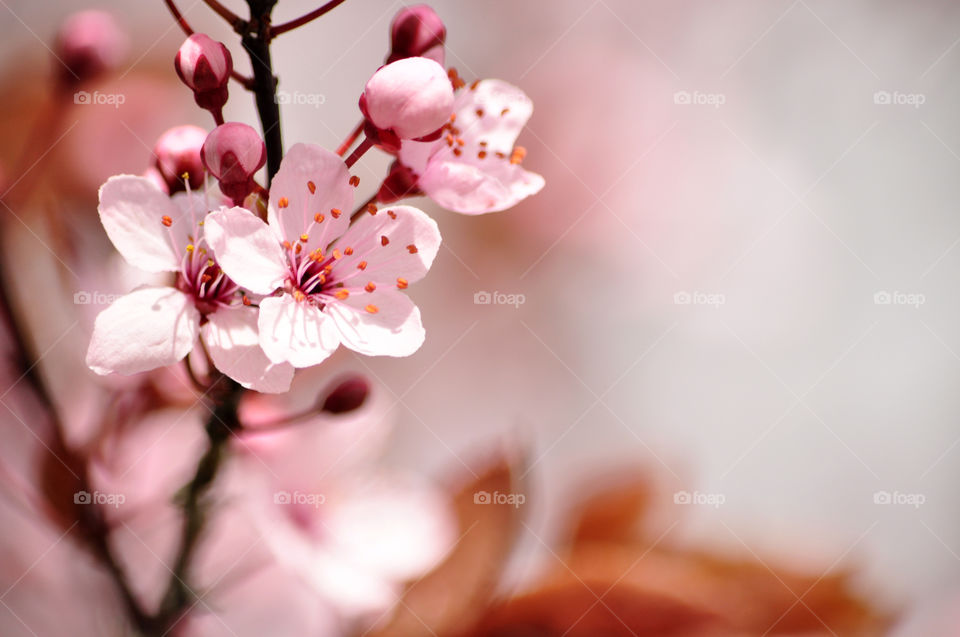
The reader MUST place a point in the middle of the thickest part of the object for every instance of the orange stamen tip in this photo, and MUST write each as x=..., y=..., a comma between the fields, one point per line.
x=298, y=295
x=245, y=299
x=384, y=240
x=348, y=251
x=392, y=214
x=342, y=294
x=190, y=247
x=337, y=254
x=362, y=265
x=335, y=213
x=370, y=287
x=312, y=187
x=304, y=237
x=479, y=112
x=286, y=244
x=299, y=248
x=402, y=283
x=412, y=249
x=372, y=208
x=373, y=309
x=474, y=84
x=283, y=202
x=518, y=154
x=354, y=181
x=167, y=221
x=318, y=218
x=482, y=154
x=504, y=112
x=457, y=152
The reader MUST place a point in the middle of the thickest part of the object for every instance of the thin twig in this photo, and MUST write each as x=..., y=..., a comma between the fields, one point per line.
x=235, y=21
x=348, y=142
x=302, y=20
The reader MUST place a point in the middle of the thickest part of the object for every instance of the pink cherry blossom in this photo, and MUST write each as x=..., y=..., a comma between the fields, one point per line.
x=352, y=532
x=337, y=282
x=411, y=98
x=155, y=326
x=476, y=168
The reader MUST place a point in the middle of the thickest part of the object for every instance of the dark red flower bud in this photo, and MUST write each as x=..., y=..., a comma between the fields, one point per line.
x=417, y=31
x=348, y=394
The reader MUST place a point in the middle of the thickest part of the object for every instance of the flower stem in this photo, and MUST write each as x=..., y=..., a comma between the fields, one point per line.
x=302, y=20
x=349, y=141
x=358, y=152
x=256, y=42
x=222, y=424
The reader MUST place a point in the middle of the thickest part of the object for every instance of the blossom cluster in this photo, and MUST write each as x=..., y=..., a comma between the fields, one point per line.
x=264, y=280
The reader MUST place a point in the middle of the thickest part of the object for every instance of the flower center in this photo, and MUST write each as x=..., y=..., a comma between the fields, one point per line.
x=202, y=277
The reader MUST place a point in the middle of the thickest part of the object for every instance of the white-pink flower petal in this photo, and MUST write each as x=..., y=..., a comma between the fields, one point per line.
x=246, y=249
x=384, y=322
x=146, y=227
x=311, y=182
x=296, y=332
x=233, y=341
x=399, y=242
x=149, y=328
x=469, y=188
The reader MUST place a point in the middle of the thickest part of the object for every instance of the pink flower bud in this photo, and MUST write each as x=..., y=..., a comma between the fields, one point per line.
x=205, y=65
x=349, y=394
x=88, y=44
x=232, y=153
x=177, y=153
x=417, y=31
x=410, y=98
x=154, y=176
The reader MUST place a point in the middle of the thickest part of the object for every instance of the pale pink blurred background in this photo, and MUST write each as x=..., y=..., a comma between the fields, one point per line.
x=781, y=205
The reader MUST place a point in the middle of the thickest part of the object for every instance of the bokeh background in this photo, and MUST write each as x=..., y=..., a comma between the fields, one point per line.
x=730, y=185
